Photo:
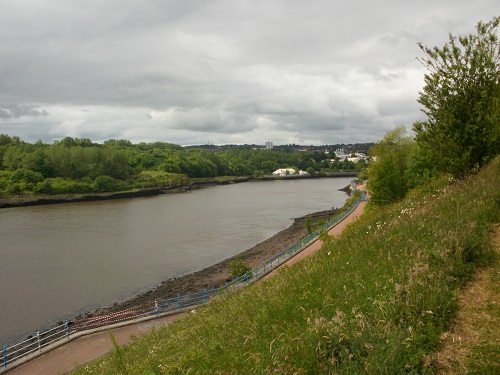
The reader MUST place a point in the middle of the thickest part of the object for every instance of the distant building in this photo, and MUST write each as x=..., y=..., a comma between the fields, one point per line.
x=269, y=145
x=284, y=172
x=340, y=153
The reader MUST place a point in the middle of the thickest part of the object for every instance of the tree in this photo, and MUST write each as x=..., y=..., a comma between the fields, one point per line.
x=461, y=99
x=386, y=176
x=26, y=175
x=107, y=183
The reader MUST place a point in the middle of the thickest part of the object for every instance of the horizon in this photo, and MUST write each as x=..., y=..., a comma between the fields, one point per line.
x=220, y=72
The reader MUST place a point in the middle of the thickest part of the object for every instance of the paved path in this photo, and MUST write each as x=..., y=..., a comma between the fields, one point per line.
x=87, y=348
x=316, y=245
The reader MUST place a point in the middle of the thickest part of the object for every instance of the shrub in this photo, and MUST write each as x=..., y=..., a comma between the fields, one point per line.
x=26, y=175
x=60, y=185
x=44, y=187
x=107, y=183
x=238, y=268
x=308, y=225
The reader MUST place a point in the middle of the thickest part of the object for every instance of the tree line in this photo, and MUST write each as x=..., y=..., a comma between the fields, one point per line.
x=461, y=101
x=78, y=165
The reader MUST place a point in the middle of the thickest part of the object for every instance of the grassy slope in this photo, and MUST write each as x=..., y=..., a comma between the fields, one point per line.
x=472, y=346
x=374, y=301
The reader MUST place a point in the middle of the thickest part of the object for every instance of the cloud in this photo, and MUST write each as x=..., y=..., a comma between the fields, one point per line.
x=222, y=71
x=18, y=111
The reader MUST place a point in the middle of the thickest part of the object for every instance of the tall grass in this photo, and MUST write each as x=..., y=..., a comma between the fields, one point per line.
x=373, y=301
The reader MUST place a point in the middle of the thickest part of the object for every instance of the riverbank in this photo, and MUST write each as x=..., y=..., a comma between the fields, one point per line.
x=38, y=200
x=77, y=353
x=217, y=274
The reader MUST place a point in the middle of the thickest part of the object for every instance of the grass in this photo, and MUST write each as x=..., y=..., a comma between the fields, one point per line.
x=472, y=345
x=376, y=300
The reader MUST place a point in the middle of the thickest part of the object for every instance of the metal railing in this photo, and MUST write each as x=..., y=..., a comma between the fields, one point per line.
x=67, y=331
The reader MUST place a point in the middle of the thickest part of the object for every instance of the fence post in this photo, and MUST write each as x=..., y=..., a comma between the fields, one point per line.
x=67, y=329
x=178, y=301
x=204, y=296
x=156, y=307
x=4, y=356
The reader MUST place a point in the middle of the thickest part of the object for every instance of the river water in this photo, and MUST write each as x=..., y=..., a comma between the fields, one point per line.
x=61, y=260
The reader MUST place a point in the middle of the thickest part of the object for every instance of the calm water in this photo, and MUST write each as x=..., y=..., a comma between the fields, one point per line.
x=60, y=260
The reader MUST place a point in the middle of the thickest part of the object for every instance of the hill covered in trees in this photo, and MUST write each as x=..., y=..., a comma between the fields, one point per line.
x=74, y=165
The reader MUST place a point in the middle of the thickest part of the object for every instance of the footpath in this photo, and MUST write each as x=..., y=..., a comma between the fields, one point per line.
x=84, y=349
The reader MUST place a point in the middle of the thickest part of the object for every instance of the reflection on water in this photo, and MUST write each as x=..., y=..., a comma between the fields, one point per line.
x=57, y=261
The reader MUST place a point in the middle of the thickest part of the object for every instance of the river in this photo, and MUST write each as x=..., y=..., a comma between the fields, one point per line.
x=58, y=261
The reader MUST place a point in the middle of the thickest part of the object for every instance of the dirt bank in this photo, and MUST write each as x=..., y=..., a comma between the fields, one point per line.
x=217, y=274
x=208, y=278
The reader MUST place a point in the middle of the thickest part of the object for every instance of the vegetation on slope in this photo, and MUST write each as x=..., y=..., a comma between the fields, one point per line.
x=75, y=165
x=373, y=301
x=461, y=99
x=472, y=345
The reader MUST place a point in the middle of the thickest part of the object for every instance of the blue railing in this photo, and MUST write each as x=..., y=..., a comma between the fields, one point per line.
x=34, y=345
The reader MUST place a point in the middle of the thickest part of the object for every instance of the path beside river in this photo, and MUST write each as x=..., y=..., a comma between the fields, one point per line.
x=216, y=275
x=85, y=349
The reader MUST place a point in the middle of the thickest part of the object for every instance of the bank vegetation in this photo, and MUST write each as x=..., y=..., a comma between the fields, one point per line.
x=378, y=299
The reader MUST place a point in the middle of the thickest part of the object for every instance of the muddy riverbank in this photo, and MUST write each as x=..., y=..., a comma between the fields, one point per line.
x=217, y=274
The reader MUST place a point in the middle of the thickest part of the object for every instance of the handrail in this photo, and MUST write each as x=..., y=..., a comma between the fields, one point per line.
x=161, y=306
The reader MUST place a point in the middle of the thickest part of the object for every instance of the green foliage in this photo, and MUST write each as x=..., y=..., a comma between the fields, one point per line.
x=108, y=183
x=44, y=187
x=26, y=175
x=387, y=178
x=159, y=179
x=308, y=225
x=238, y=268
x=373, y=301
x=60, y=185
x=420, y=169
x=81, y=159
x=461, y=99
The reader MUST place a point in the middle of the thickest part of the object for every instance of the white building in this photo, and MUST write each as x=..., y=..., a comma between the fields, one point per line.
x=340, y=153
x=284, y=172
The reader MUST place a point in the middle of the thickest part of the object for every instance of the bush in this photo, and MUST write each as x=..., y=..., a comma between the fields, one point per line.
x=107, y=183
x=60, y=185
x=26, y=175
x=238, y=268
x=44, y=187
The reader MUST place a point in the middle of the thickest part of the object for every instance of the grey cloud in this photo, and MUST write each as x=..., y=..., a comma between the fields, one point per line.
x=188, y=70
x=18, y=111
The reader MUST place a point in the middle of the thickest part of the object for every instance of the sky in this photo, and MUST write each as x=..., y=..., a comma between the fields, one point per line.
x=195, y=72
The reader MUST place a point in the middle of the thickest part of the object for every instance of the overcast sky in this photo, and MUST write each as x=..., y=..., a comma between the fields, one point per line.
x=219, y=71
